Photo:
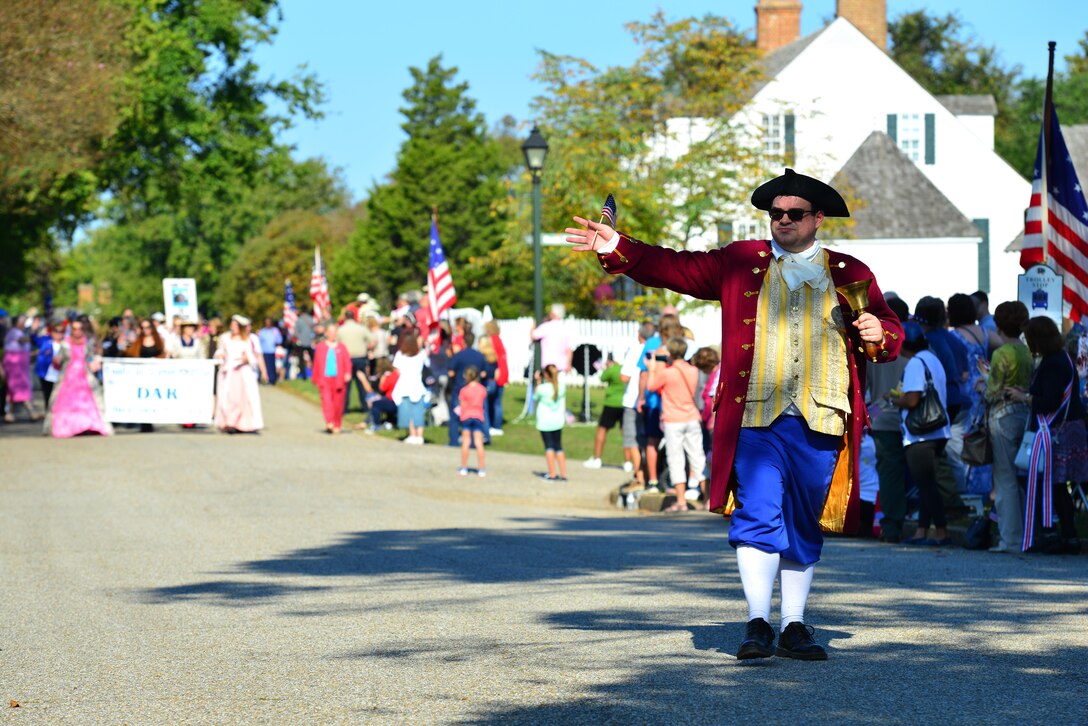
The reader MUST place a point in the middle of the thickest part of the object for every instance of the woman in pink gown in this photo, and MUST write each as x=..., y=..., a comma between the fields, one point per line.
x=238, y=402
x=17, y=370
x=77, y=402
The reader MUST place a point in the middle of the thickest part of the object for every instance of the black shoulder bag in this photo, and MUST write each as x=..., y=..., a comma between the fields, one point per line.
x=929, y=414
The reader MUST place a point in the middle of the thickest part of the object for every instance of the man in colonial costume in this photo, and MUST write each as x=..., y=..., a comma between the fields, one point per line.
x=789, y=405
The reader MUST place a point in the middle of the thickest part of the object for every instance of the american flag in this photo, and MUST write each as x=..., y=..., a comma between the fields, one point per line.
x=290, y=315
x=608, y=211
x=1067, y=213
x=319, y=289
x=440, y=293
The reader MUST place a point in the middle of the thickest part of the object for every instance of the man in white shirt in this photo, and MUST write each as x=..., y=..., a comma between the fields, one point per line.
x=633, y=437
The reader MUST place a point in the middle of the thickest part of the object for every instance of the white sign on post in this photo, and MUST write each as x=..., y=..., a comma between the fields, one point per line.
x=1040, y=289
x=158, y=390
x=179, y=298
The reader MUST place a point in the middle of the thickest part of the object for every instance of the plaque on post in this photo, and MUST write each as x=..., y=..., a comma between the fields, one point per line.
x=1040, y=289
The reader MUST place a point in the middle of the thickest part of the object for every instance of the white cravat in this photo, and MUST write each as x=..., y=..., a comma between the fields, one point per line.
x=803, y=268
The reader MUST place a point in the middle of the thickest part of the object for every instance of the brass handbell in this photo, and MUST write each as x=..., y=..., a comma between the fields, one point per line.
x=857, y=297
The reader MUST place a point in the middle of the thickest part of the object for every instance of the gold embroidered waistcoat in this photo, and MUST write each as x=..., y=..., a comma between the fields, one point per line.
x=800, y=356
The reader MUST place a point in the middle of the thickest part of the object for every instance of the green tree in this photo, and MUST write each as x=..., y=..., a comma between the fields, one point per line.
x=120, y=255
x=1077, y=63
x=610, y=126
x=1070, y=101
x=284, y=250
x=936, y=53
x=448, y=162
x=193, y=168
x=60, y=101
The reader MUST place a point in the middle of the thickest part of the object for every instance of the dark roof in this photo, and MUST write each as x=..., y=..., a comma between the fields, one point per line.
x=981, y=105
x=1076, y=140
x=895, y=199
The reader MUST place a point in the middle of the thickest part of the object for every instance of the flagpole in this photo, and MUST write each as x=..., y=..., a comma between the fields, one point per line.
x=432, y=300
x=1048, y=125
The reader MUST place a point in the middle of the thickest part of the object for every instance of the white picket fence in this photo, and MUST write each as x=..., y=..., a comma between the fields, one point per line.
x=610, y=336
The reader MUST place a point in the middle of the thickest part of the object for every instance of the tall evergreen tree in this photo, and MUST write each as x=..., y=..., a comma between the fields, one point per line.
x=448, y=162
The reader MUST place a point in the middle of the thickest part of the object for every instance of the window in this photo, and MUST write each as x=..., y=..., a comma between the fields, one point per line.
x=910, y=135
x=774, y=141
x=778, y=137
x=915, y=134
x=748, y=229
x=725, y=233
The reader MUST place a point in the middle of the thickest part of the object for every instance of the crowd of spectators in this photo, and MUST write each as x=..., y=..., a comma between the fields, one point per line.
x=1004, y=372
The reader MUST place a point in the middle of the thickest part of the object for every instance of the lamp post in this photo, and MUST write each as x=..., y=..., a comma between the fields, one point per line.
x=535, y=149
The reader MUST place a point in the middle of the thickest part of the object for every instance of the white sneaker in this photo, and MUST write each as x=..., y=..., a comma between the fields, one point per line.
x=496, y=432
x=592, y=463
x=463, y=471
x=628, y=467
x=482, y=473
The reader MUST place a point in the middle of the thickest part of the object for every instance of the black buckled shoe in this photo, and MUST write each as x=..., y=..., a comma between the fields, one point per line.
x=796, y=642
x=758, y=640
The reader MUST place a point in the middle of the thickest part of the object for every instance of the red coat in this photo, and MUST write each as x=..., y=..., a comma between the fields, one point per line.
x=502, y=371
x=343, y=365
x=733, y=275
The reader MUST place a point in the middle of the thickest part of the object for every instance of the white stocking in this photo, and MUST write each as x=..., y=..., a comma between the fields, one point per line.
x=758, y=570
x=796, y=579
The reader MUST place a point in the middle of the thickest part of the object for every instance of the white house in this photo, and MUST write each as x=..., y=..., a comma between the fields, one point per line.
x=935, y=206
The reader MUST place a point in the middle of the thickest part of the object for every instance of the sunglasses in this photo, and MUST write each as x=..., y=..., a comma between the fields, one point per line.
x=795, y=214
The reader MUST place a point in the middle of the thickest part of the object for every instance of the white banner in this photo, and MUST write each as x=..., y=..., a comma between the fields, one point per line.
x=179, y=299
x=158, y=391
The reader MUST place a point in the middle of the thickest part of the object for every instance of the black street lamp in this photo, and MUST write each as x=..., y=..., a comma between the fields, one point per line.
x=535, y=149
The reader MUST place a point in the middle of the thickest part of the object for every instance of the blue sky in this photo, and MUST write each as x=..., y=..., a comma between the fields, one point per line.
x=362, y=49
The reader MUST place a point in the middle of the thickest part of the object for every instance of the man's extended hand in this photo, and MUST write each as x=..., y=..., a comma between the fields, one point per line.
x=591, y=236
x=869, y=327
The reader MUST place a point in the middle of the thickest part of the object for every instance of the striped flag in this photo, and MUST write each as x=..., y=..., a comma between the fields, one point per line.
x=440, y=293
x=290, y=314
x=608, y=211
x=1056, y=224
x=319, y=289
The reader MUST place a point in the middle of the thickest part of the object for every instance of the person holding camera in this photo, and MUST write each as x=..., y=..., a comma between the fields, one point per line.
x=676, y=379
x=790, y=405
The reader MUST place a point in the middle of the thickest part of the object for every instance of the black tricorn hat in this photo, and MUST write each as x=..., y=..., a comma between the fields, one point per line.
x=791, y=184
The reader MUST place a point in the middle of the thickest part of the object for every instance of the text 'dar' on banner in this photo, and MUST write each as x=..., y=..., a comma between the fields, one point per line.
x=158, y=391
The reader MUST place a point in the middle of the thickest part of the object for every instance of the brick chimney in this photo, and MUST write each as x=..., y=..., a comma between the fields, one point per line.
x=868, y=16
x=778, y=23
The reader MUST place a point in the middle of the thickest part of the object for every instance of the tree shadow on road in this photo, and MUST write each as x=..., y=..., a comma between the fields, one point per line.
x=939, y=595
x=695, y=549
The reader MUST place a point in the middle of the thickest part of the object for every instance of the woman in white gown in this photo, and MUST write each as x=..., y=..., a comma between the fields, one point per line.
x=238, y=401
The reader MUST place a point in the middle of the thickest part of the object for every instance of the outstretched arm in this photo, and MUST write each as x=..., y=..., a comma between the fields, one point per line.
x=698, y=274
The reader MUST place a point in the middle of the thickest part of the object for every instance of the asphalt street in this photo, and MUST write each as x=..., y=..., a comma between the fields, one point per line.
x=295, y=577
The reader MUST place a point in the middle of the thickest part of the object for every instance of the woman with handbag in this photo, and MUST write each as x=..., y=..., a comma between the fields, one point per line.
x=1057, y=414
x=926, y=431
x=1010, y=372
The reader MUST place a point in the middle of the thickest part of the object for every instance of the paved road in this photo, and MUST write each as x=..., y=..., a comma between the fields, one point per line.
x=292, y=577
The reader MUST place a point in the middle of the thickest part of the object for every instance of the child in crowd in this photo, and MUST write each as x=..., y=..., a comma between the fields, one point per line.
x=471, y=400
x=551, y=413
x=612, y=413
x=676, y=380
